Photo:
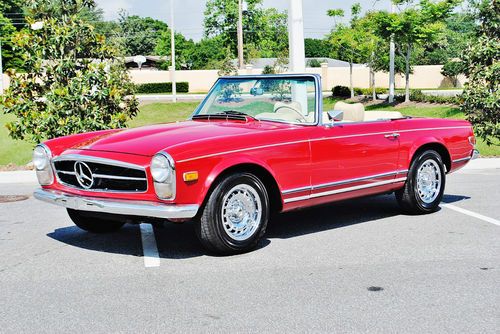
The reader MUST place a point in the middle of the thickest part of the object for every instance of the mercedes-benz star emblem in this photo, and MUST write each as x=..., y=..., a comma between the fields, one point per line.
x=84, y=175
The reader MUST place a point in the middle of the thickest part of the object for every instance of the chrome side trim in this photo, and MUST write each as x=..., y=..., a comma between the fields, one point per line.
x=88, y=158
x=338, y=183
x=121, y=207
x=295, y=190
x=461, y=160
x=343, y=190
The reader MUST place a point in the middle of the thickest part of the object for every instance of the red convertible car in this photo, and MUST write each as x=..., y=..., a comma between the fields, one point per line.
x=255, y=146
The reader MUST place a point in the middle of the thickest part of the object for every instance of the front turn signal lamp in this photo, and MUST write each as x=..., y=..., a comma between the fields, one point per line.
x=41, y=162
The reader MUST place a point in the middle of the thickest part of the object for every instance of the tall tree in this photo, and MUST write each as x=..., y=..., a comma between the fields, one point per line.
x=183, y=48
x=140, y=34
x=459, y=29
x=481, y=64
x=11, y=20
x=315, y=48
x=350, y=43
x=412, y=27
x=72, y=82
x=264, y=29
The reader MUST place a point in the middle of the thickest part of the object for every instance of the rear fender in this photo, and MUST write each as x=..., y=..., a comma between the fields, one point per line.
x=420, y=142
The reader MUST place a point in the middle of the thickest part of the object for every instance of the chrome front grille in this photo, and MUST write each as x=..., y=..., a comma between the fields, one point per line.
x=96, y=174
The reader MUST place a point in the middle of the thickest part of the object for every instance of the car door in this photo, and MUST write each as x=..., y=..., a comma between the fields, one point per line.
x=352, y=159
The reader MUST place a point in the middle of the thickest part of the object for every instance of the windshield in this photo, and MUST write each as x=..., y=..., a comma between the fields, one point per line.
x=290, y=100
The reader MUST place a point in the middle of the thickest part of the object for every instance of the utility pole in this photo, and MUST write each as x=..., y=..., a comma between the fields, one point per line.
x=296, y=36
x=391, y=62
x=240, y=35
x=172, y=53
x=1, y=69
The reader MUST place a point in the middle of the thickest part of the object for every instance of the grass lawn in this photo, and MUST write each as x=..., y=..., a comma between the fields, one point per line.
x=19, y=152
x=12, y=151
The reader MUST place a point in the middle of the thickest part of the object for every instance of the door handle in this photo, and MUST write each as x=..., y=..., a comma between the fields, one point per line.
x=392, y=135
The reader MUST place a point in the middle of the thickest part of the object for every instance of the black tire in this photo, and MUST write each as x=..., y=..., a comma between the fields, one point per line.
x=93, y=224
x=408, y=197
x=210, y=224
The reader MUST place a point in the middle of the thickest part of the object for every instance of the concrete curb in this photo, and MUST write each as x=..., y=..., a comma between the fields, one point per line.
x=483, y=163
x=19, y=176
x=29, y=176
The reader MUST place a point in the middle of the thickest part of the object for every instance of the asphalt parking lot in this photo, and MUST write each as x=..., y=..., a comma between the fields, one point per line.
x=356, y=266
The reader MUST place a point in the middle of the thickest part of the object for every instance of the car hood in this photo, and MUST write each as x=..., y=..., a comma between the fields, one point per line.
x=149, y=140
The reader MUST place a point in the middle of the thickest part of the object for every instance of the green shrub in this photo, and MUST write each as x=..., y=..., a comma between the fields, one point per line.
x=341, y=91
x=416, y=95
x=161, y=87
x=313, y=63
x=368, y=91
x=268, y=69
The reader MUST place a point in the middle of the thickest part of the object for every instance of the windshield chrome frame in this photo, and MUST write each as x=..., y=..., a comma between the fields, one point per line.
x=315, y=77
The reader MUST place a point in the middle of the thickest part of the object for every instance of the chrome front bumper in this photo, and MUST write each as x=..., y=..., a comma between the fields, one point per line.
x=121, y=207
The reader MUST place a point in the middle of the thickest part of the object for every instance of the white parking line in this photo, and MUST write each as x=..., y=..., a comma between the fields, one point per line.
x=150, y=251
x=472, y=214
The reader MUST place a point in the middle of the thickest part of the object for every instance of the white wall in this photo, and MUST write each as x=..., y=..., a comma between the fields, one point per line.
x=426, y=76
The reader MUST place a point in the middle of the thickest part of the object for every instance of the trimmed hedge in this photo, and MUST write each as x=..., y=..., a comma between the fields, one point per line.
x=161, y=87
x=343, y=91
x=416, y=95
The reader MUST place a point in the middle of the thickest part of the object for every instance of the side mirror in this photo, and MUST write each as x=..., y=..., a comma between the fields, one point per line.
x=335, y=115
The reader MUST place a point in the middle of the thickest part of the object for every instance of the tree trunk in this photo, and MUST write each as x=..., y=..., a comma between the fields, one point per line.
x=372, y=83
x=350, y=79
x=407, y=74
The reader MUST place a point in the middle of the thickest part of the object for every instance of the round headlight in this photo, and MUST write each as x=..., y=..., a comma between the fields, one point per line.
x=160, y=168
x=41, y=158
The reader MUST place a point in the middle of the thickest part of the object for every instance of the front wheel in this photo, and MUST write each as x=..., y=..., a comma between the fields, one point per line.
x=93, y=224
x=424, y=187
x=235, y=215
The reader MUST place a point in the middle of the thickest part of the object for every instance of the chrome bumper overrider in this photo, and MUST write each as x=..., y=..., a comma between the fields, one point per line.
x=121, y=207
x=475, y=154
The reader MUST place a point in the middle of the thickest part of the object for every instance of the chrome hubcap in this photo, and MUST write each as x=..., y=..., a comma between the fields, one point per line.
x=241, y=212
x=429, y=181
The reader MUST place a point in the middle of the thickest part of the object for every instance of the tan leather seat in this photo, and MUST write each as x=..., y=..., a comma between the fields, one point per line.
x=373, y=115
x=352, y=112
x=356, y=113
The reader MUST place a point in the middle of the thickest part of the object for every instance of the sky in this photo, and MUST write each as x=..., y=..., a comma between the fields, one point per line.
x=189, y=13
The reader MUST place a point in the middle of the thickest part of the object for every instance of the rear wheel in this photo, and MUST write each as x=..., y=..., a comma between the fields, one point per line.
x=235, y=215
x=424, y=187
x=93, y=224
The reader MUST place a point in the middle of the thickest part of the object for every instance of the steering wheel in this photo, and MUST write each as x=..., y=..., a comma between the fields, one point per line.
x=301, y=117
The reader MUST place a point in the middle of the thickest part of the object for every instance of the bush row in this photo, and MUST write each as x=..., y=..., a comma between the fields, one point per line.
x=161, y=87
x=416, y=95
x=343, y=91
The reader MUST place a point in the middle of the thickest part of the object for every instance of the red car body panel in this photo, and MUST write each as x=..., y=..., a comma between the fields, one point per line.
x=310, y=164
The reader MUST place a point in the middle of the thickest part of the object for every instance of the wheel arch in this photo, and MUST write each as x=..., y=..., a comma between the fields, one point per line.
x=435, y=145
x=258, y=169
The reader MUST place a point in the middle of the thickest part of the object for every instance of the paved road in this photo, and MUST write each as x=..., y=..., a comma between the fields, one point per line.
x=313, y=273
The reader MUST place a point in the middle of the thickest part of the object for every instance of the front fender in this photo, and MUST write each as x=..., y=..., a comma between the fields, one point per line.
x=233, y=162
